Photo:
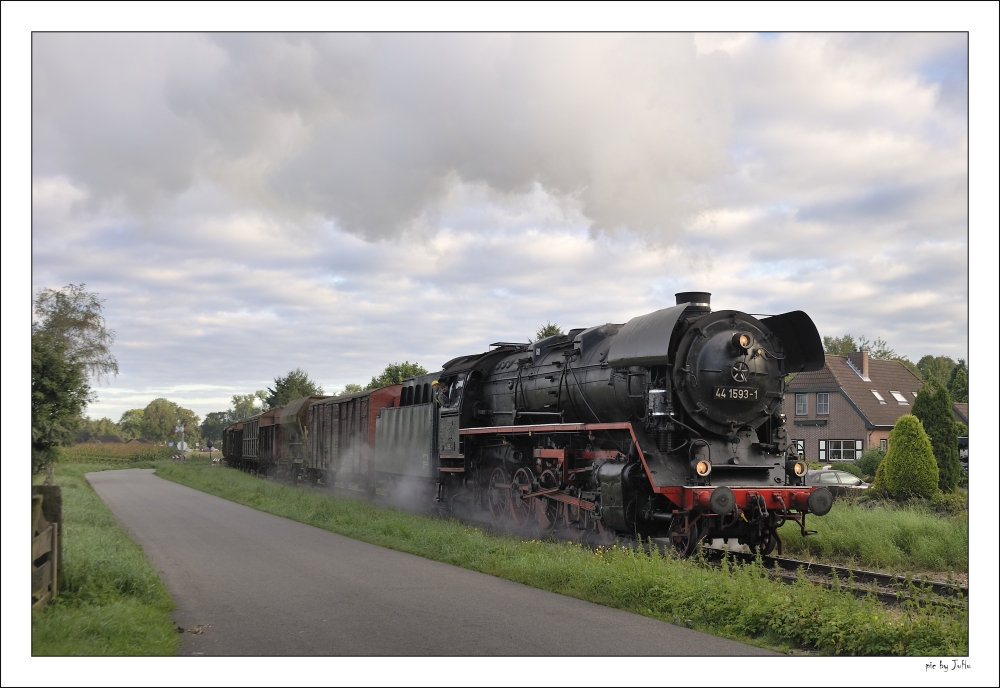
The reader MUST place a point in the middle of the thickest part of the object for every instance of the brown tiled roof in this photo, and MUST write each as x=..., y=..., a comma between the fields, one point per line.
x=884, y=377
x=962, y=412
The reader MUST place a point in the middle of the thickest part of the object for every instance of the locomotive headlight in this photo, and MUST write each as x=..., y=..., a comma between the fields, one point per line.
x=703, y=468
x=798, y=468
x=743, y=341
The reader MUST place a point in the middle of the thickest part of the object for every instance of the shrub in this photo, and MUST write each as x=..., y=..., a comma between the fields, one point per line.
x=910, y=469
x=951, y=502
x=853, y=469
x=870, y=460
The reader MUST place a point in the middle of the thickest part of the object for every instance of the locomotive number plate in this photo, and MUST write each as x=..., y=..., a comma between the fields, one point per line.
x=736, y=393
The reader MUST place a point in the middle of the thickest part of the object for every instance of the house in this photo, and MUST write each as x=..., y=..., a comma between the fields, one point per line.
x=961, y=411
x=849, y=405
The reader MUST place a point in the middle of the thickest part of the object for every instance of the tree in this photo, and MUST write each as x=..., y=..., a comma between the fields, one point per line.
x=160, y=418
x=839, y=346
x=933, y=408
x=909, y=468
x=130, y=424
x=213, y=425
x=69, y=342
x=352, y=388
x=293, y=386
x=958, y=386
x=245, y=405
x=59, y=393
x=91, y=429
x=395, y=373
x=192, y=425
x=936, y=370
x=548, y=330
x=878, y=350
x=73, y=315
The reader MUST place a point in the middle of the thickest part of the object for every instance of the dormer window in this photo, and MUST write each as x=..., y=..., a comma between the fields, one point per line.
x=900, y=398
x=878, y=396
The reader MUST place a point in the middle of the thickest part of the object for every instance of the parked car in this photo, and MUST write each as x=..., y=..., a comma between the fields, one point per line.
x=840, y=483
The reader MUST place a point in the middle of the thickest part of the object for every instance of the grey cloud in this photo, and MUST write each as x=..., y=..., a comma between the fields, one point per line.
x=373, y=130
x=202, y=184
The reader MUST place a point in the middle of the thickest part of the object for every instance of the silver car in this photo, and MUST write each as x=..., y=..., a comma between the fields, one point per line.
x=840, y=483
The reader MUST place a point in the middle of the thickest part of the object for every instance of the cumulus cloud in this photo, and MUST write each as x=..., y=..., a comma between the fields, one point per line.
x=373, y=130
x=252, y=203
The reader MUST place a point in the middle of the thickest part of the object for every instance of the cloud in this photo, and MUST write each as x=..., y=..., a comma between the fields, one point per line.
x=373, y=131
x=248, y=204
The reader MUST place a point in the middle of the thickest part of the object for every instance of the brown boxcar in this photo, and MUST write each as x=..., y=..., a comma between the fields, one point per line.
x=268, y=438
x=342, y=436
x=290, y=446
x=232, y=445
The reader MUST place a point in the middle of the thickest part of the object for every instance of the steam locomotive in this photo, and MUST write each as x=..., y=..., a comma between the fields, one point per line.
x=669, y=426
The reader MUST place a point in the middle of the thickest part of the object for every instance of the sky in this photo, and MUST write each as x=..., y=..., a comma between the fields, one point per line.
x=247, y=204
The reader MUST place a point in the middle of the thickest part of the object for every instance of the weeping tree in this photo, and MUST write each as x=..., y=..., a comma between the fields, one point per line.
x=70, y=344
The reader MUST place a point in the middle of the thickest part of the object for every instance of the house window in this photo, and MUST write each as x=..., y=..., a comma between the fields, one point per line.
x=845, y=450
x=900, y=398
x=883, y=444
x=823, y=403
x=878, y=396
x=822, y=451
x=798, y=447
x=801, y=404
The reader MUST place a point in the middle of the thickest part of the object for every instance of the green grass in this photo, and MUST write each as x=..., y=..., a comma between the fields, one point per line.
x=111, y=601
x=740, y=602
x=897, y=538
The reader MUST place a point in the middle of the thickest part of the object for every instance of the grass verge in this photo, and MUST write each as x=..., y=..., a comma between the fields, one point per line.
x=112, y=601
x=738, y=602
x=885, y=537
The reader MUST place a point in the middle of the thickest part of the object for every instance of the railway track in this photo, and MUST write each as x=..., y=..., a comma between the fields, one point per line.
x=889, y=588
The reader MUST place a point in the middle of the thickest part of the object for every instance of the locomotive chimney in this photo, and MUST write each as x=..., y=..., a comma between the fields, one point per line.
x=699, y=300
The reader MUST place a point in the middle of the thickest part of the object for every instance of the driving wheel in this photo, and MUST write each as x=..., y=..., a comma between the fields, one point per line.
x=498, y=495
x=547, y=510
x=683, y=536
x=520, y=485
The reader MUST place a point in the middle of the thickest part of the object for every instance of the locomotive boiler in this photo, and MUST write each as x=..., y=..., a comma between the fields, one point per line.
x=668, y=426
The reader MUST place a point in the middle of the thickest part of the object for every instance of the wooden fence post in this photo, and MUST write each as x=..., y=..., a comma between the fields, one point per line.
x=46, y=543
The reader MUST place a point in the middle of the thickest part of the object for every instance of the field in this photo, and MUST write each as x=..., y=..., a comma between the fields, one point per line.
x=738, y=602
x=113, y=454
x=112, y=602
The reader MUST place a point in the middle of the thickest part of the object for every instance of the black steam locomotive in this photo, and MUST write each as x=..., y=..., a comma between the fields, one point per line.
x=670, y=425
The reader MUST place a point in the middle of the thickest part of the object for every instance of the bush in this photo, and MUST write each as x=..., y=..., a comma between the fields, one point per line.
x=853, y=469
x=909, y=468
x=951, y=502
x=870, y=460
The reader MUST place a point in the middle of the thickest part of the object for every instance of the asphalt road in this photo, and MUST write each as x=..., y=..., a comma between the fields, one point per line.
x=258, y=584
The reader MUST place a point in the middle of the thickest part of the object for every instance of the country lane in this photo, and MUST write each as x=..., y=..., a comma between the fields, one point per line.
x=257, y=584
